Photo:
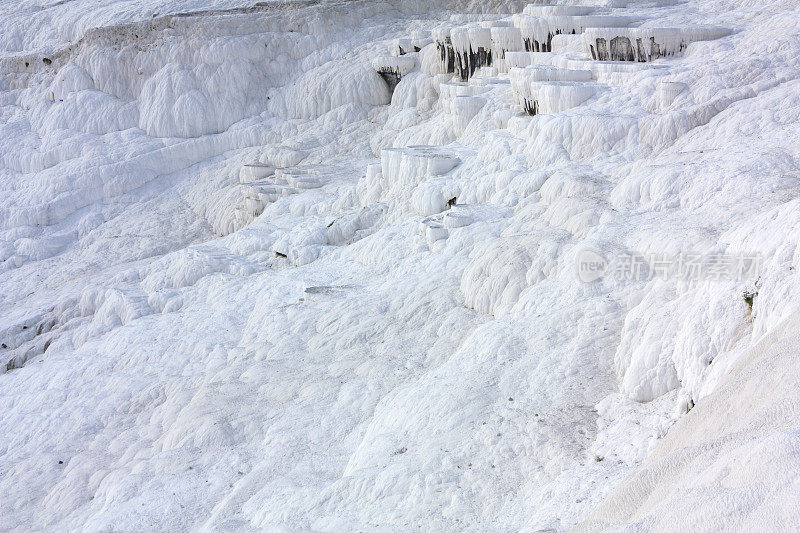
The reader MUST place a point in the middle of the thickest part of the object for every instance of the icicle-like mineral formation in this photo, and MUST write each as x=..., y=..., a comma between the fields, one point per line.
x=473, y=49
x=408, y=175
x=668, y=91
x=644, y=44
x=393, y=68
x=538, y=32
x=542, y=10
x=412, y=164
x=444, y=45
x=408, y=45
x=545, y=89
x=505, y=40
x=465, y=108
x=526, y=59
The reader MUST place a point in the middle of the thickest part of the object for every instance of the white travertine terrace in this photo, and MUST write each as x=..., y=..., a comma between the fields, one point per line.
x=645, y=44
x=473, y=49
x=548, y=89
x=668, y=91
x=393, y=68
x=543, y=10
x=538, y=31
x=505, y=40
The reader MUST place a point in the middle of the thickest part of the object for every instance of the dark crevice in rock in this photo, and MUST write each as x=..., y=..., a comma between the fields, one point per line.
x=467, y=63
x=391, y=77
x=447, y=56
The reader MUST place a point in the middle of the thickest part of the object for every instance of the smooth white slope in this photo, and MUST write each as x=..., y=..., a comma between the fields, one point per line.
x=350, y=357
x=732, y=462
